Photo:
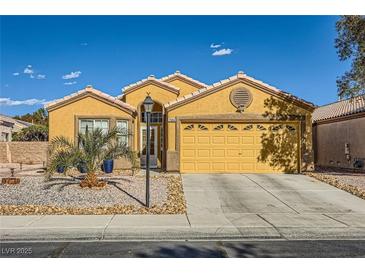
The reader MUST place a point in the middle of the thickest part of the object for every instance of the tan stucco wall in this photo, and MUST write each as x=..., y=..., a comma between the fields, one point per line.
x=62, y=120
x=330, y=140
x=23, y=152
x=219, y=103
x=185, y=88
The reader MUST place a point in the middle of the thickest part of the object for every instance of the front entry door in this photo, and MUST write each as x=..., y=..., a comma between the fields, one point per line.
x=153, y=150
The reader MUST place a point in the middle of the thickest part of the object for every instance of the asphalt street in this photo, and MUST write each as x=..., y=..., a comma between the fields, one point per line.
x=185, y=249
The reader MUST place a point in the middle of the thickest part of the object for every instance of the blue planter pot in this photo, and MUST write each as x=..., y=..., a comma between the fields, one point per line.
x=82, y=168
x=108, y=166
x=61, y=169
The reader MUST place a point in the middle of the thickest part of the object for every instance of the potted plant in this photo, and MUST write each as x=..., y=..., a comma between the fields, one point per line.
x=81, y=167
x=108, y=165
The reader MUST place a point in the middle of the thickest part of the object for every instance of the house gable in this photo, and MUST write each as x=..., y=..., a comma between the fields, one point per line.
x=185, y=83
x=89, y=91
x=222, y=90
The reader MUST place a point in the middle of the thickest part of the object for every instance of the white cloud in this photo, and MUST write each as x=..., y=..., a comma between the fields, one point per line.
x=41, y=77
x=70, y=83
x=28, y=70
x=31, y=76
x=215, y=46
x=29, y=102
x=84, y=44
x=222, y=52
x=16, y=74
x=72, y=75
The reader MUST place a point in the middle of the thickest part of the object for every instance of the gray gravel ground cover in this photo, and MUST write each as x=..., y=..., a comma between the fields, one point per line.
x=348, y=178
x=66, y=192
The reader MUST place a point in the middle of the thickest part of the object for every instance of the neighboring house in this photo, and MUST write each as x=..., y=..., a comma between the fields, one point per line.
x=339, y=134
x=237, y=125
x=10, y=125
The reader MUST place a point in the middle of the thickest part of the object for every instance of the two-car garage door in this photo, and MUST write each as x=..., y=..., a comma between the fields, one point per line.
x=238, y=147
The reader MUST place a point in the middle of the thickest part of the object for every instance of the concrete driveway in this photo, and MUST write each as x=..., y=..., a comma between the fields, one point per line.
x=275, y=204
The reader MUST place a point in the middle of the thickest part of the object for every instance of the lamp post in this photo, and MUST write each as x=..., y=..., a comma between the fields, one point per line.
x=148, y=105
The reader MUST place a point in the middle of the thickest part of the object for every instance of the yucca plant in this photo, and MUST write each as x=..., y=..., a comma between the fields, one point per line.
x=90, y=150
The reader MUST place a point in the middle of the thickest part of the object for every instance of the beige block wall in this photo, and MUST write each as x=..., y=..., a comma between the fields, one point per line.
x=23, y=152
x=4, y=152
x=330, y=140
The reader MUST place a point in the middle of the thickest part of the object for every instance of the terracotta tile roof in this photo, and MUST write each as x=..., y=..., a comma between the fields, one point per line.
x=340, y=109
x=91, y=90
x=239, y=75
x=178, y=74
x=149, y=79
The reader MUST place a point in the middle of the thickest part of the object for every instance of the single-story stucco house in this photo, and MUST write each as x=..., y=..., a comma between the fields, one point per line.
x=339, y=134
x=9, y=125
x=239, y=124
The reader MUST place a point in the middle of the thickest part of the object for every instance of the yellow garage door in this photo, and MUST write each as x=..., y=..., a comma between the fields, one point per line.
x=238, y=147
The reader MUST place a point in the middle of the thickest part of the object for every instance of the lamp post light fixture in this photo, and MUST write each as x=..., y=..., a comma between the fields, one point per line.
x=148, y=105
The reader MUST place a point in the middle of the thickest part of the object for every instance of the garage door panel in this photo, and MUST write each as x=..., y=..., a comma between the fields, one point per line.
x=204, y=140
x=247, y=153
x=234, y=166
x=188, y=140
x=233, y=152
x=233, y=140
x=203, y=166
x=188, y=166
x=218, y=152
x=247, y=167
x=218, y=166
x=231, y=147
x=248, y=140
x=203, y=152
x=188, y=153
x=218, y=140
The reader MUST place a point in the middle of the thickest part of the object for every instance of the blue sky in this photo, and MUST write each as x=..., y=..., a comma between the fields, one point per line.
x=48, y=57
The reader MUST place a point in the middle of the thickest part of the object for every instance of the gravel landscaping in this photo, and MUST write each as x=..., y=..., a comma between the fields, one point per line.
x=63, y=195
x=353, y=182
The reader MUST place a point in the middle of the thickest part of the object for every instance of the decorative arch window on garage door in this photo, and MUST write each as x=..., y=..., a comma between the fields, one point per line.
x=277, y=128
x=248, y=127
x=202, y=127
x=231, y=127
x=218, y=127
x=290, y=128
x=189, y=127
x=260, y=127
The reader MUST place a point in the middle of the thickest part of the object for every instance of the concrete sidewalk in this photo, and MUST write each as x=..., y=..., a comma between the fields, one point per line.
x=182, y=227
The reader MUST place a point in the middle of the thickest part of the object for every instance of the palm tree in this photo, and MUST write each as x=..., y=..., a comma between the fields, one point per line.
x=91, y=149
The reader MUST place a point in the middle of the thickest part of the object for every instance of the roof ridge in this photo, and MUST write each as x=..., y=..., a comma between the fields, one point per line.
x=90, y=89
x=343, y=100
x=179, y=74
x=239, y=75
x=149, y=78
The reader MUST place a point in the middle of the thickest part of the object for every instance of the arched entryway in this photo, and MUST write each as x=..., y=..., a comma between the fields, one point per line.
x=157, y=135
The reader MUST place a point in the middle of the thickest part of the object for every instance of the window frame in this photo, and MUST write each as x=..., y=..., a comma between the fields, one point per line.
x=127, y=129
x=93, y=121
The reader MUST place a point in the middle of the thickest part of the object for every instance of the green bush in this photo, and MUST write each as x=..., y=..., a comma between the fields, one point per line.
x=32, y=133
